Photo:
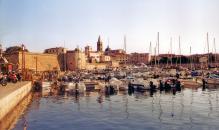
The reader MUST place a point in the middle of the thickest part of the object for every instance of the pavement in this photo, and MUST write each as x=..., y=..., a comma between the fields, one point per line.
x=11, y=87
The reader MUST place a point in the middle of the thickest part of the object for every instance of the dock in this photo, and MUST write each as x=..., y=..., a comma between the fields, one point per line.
x=11, y=95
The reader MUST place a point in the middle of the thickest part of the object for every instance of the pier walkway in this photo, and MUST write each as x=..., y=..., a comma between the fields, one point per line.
x=11, y=87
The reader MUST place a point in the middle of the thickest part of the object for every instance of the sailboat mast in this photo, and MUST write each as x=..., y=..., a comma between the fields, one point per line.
x=208, y=48
x=171, y=51
x=125, y=48
x=155, y=53
x=158, y=47
x=215, y=58
x=125, y=43
x=191, y=57
x=150, y=53
x=180, y=60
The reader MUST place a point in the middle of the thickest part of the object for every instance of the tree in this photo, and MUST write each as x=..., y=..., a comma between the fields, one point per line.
x=13, y=49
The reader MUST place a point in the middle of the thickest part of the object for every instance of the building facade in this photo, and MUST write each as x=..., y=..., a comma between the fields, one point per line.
x=61, y=53
x=75, y=60
x=138, y=58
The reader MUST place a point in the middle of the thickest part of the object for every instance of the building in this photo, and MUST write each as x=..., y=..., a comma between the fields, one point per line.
x=138, y=58
x=105, y=58
x=117, y=55
x=88, y=49
x=75, y=60
x=61, y=53
x=56, y=50
x=94, y=57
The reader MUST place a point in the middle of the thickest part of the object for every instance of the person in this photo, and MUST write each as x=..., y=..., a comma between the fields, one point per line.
x=19, y=76
x=178, y=85
x=152, y=86
x=130, y=88
x=177, y=75
x=203, y=84
x=161, y=86
x=76, y=89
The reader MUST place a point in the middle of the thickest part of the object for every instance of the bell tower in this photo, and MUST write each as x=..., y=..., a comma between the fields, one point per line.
x=99, y=45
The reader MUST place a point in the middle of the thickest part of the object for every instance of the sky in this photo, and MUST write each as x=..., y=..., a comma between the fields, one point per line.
x=41, y=24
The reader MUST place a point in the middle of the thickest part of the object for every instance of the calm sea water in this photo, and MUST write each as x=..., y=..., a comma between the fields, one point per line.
x=188, y=109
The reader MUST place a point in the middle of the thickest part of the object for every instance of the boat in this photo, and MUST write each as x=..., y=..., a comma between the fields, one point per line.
x=72, y=87
x=190, y=82
x=212, y=79
x=46, y=87
x=139, y=84
x=93, y=85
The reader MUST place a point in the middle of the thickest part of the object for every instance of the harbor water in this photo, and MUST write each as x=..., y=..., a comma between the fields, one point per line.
x=189, y=109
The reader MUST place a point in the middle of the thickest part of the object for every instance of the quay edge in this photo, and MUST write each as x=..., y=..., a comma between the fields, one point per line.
x=13, y=97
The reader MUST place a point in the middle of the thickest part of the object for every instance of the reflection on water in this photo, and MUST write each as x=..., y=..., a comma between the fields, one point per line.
x=10, y=120
x=188, y=109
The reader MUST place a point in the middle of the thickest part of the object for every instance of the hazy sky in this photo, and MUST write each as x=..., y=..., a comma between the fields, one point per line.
x=40, y=24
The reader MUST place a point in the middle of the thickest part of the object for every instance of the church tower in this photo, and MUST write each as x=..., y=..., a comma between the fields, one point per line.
x=99, y=45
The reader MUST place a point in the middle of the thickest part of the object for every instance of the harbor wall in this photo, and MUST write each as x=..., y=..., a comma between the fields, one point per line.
x=10, y=100
x=9, y=121
x=34, y=61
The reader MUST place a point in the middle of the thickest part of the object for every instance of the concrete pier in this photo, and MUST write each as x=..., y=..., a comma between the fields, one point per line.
x=11, y=95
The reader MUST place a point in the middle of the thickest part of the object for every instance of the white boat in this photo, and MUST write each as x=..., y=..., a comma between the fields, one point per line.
x=118, y=84
x=46, y=87
x=72, y=87
x=140, y=84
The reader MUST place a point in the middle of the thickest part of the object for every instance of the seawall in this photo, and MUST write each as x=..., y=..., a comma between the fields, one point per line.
x=11, y=95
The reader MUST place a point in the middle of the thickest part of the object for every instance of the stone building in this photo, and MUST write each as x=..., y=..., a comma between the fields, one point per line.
x=105, y=58
x=75, y=60
x=56, y=50
x=138, y=58
x=61, y=53
x=88, y=49
x=117, y=55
